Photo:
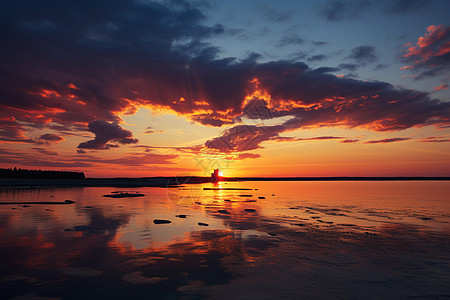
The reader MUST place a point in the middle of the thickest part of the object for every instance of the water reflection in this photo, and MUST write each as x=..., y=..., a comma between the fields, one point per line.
x=255, y=240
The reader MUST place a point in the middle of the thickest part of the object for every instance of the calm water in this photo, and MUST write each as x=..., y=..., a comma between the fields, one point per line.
x=277, y=240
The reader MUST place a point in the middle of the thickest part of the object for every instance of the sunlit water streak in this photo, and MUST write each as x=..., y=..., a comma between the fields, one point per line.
x=310, y=239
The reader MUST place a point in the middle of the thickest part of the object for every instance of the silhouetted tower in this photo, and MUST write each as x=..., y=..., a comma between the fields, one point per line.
x=215, y=176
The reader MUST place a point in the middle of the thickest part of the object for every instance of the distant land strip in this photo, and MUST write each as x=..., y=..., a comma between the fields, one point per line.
x=173, y=182
x=18, y=173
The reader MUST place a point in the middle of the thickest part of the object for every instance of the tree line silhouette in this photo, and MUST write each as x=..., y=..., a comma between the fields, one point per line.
x=42, y=174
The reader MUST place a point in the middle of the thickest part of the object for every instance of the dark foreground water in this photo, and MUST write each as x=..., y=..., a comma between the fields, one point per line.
x=291, y=240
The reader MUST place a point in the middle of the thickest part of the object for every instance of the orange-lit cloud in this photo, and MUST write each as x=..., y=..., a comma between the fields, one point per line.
x=51, y=138
x=390, y=140
x=440, y=87
x=434, y=139
x=248, y=155
x=429, y=55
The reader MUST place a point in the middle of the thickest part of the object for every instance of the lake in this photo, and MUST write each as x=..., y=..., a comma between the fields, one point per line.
x=241, y=240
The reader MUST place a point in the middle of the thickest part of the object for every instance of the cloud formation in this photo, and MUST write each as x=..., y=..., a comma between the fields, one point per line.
x=384, y=141
x=363, y=55
x=51, y=138
x=108, y=58
x=349, y=141
x=339, y=10
x=344, y=10
x=404, y=6
x=434, y=139
x=430, y=55
x=290, y=40
x=443, y=86
x=12, y=131
x=318, y=99
x=107, y=132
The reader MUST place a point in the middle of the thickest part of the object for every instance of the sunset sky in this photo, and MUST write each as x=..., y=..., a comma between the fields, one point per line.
x=255, y=88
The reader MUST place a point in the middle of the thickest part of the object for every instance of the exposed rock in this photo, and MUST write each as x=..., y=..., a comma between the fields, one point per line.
x=124, y=195
x=202, y=224
x=138, y=278
x=80, y=272
x=158, y=221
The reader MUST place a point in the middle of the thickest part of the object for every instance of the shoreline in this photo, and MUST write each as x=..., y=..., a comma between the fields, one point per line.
x=172, y=182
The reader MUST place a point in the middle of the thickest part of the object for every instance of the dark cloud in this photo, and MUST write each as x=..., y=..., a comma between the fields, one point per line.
x=81, y=50
x=391, y=140
x=434, y=139
x=430, y=55
x=318, y=99
x=107, y=132
x=380, y=67
x=243, y=138
x=404, y=6
x=344, y=10
x=350, y=67
x=249, y=137
x=150, y=130
x=12, y=131
x=316, y=138
x=153, y=131
x=273, y=14
x=51, y=138
x=319, y=43
x=317, y=57
x=292, y=39
x=349, y=141
x=363, y=55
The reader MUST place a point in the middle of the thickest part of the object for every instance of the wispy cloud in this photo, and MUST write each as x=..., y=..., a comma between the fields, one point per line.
x=443, y=86
x=349, y=141
x=390, y=140
x=434, y=139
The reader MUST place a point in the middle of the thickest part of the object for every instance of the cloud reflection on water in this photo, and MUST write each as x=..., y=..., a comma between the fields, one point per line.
x=112, y=248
